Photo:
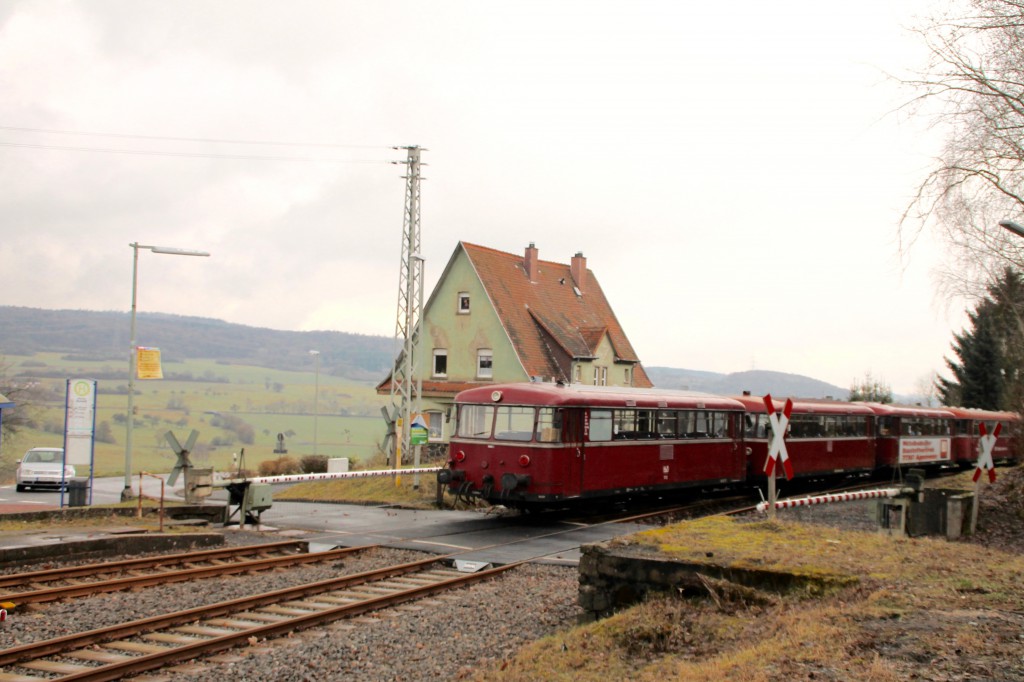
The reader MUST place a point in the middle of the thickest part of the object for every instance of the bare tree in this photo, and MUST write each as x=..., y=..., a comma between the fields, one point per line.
x=870, y=389
x=972, y=89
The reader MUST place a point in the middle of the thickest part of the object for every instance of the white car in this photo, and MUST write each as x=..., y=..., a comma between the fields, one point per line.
x=43, y=467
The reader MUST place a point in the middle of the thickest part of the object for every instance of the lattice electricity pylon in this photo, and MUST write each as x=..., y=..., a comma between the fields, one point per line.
x=182, y=453
x=405, y=388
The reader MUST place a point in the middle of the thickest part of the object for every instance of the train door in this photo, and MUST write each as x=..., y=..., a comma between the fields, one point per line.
x=597, y=471
x=573, y=440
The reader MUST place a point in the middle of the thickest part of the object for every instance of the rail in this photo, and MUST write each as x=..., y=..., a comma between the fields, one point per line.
x=183, y=635
x=162, y=577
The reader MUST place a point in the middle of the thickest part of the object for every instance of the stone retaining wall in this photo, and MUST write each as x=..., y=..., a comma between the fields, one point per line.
x=616, y=577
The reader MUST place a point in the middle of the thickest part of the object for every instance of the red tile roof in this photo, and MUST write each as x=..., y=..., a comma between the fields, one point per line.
x=552, y=319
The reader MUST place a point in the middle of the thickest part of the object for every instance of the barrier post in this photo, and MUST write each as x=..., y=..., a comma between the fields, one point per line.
x=986, y=443
x=777, y=449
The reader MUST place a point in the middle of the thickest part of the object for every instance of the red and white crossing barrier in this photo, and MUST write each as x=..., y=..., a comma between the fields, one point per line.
x=835, y=497
x=300, y=478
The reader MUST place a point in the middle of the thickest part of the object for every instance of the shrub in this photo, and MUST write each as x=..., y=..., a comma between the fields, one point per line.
x=279, y=467
x=314, y=464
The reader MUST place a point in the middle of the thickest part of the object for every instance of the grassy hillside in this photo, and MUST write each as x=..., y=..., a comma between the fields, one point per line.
x=232, y=406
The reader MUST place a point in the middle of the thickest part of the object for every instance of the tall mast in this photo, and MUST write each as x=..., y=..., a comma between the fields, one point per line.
x=405, y=388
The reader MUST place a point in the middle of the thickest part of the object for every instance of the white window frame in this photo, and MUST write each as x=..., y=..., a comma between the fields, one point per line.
x=462, y=307
x=439, y=353
x=482, y=372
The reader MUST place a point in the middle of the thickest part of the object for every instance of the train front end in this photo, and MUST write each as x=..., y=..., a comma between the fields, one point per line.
x=508, y=449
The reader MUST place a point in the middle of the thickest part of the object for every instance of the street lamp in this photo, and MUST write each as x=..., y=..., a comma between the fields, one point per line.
x=1012, y=227
x=126, y=494
x=316, y=394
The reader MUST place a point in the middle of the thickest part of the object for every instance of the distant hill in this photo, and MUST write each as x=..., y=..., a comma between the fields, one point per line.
x=758, y=382
x=106, y=335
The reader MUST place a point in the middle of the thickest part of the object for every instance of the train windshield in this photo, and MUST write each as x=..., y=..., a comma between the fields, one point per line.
x=475, y=421
x=518, y=423
x=514, y=422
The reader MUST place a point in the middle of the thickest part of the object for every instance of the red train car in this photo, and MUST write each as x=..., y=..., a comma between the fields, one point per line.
x=912, y=436
x=541, y=444
x=966, y=435
x=825, y=437
x=547, y=445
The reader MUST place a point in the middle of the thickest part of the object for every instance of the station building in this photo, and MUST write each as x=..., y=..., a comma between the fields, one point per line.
x=497, y=317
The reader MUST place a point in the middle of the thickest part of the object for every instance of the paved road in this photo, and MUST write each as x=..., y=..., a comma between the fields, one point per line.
x=471, y=535
x=104, y=491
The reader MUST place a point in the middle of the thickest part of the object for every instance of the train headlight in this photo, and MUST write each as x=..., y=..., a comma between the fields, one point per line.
x=460, y=456
x=524, y=460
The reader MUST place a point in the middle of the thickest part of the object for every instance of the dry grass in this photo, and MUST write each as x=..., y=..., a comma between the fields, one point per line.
x=955, y=608
x=379, y=490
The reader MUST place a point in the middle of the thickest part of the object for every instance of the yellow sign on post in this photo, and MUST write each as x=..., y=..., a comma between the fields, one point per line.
x=148, y=363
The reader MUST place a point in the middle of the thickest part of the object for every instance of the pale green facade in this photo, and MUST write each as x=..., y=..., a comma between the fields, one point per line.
x=462, y=335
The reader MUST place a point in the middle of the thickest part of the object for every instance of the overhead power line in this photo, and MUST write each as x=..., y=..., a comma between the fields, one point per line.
x=194, y=155
x=193, y=139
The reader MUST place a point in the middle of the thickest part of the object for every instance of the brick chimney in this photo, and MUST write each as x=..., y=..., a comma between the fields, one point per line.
x=530, y=263
x=578, y=268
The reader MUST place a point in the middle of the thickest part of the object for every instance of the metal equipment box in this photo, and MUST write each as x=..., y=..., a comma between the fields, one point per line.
x=258, y=497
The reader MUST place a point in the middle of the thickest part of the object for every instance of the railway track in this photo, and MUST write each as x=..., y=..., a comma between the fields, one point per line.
x=79, y=581
x=160, y=641
x=151, y=643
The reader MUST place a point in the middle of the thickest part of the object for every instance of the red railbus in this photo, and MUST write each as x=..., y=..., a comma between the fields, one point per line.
x=542, y=444
x=912, y=436
x=966, y=435
x=825, y=437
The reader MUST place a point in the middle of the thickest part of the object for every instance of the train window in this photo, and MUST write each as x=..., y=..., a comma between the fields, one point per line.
x=666, y=423
x=514, y=422
x=754, y=425
x=720, y=427
x=475, y=421
x=831, y=426
x=600, y=425
x=632, y=424
x=704, y=425
x=549, y=425
x=886, y=426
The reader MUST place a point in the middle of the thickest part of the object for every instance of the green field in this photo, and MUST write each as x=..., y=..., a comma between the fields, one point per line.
x=232, y=406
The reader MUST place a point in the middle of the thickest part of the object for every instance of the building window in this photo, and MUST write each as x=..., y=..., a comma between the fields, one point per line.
x=440, y=363
x=600, y=376
x=484, y=362
x=577, y=373
x=463, y=303
x=628, y=381
x=435, y=425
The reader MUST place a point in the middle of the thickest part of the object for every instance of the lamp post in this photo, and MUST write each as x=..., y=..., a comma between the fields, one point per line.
x=170, y=251
x=1012, y=227
x=316, y=394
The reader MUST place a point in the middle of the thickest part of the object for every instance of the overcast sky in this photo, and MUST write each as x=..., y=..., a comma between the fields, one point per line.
x=733, y=172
